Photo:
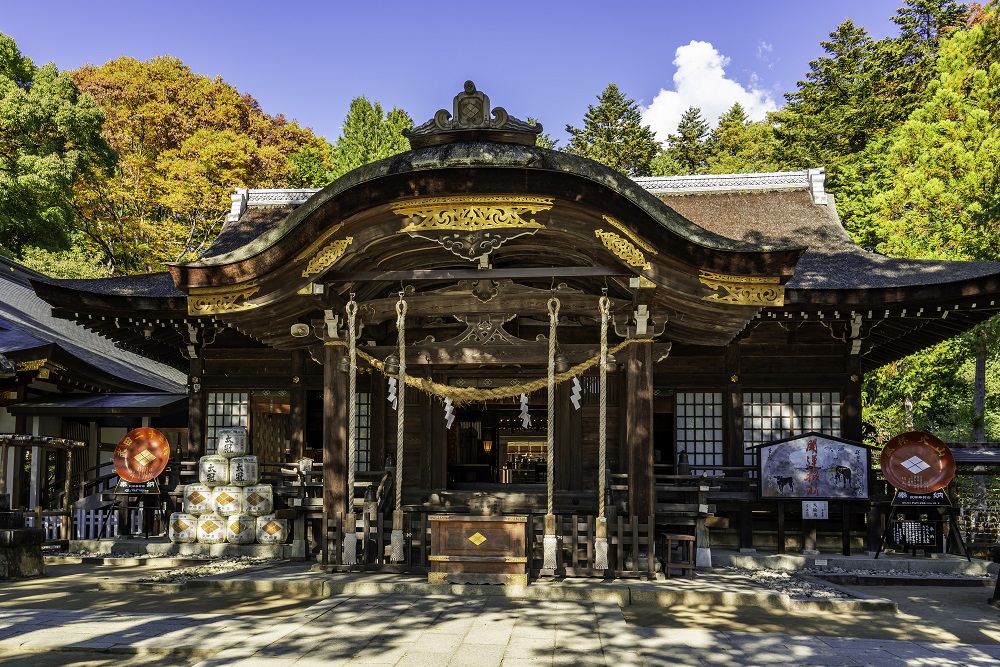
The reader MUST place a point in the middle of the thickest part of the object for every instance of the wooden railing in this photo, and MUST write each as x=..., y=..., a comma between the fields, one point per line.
x=630, y=552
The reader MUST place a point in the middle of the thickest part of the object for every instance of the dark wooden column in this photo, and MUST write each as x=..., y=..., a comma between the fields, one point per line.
x=334, y=433
x=196, y=411
x=732, y=409
x=297, y=407
x=567, y=461
x=851, y=426
x=639, y=419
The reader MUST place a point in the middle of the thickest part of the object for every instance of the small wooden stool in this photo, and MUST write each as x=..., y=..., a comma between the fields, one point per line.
x=686, y=543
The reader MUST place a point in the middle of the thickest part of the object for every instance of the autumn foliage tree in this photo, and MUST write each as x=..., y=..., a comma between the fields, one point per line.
x=184, y=142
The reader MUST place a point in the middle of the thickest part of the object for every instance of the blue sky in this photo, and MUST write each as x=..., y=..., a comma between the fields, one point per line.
x=548, y=60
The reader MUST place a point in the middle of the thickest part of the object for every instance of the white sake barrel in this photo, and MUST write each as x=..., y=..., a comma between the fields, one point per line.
x=271, y=530
x=258, y=499
x=243, y=471
x=240, y=529
x=211, y=529
x=183, y=528
x=213, y=470
x=232, y=441
x=228, y=500
x=198, y=499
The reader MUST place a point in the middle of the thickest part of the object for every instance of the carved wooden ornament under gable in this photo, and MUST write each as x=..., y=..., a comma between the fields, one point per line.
x=473, y=226
x=743, y=290
x=216, y=300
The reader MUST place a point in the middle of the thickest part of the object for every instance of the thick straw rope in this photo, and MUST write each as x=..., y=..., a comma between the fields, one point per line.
x=351, y=538
x=601, y=541
x=462, y=395
x=550, y=423
x=401, y=409
x=602, y=438
x=396, y=543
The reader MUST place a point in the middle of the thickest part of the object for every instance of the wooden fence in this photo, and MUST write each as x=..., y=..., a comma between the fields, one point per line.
x=630, y=551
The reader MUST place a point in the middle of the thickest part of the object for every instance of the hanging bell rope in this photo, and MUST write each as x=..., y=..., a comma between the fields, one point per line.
x=549, y=540
x=601, y=541
x=350, y=527
x=396, y=540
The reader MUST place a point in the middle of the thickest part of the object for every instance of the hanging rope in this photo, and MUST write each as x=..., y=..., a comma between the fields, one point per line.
x=550, y=425
x=601, y=541
x=401, y=411
x=549, y=539
x=396, y=545
x=602, y=437
x=462, y=395
x=350, y=527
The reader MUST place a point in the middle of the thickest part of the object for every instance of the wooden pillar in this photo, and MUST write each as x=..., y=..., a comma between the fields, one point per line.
x=732, y=409
x=196, y=411
x=297, y=407
x=851, y=427
x=639, y=417
x=565, y=462
x=334, y=433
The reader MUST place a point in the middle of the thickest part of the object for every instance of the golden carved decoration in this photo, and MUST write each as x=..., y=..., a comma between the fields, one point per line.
x=472, y=213
x=325, y=258
x=215, y=300
x=645, y=282
x=628, y=232
x=318, y=243
x=744, y=290
x=622, y=248
x=477, y=539
x=734, y=378
x=854, y=378
x=33, y=365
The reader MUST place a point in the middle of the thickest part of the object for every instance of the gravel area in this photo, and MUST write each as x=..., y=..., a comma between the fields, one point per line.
x=208, y=569
x=791, y=584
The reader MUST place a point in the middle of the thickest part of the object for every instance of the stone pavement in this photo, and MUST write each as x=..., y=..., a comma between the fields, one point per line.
x=560, y=626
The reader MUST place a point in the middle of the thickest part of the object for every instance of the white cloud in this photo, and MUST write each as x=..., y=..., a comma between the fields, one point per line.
x=700, y=81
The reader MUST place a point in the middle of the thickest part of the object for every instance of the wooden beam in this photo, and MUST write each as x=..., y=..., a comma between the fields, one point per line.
x=541, y=273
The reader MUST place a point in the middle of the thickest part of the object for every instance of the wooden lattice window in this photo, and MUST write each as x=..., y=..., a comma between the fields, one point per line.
x=699, y=427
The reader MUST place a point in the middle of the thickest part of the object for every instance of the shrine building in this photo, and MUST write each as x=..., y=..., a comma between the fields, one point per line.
x=491, y=277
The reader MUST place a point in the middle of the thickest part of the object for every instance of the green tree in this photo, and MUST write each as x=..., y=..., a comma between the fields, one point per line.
x=369, y=134
x=689, y=147
x=50, y=135
x=543, y=140
x=184, y=142
x=613, y=134
x=739, y=145
x=76, y=262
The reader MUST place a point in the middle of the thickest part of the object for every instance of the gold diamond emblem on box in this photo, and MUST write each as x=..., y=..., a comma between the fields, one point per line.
x=209, y=527
x=225, y=498
x=196, y=498
x=477, y=538
x=271, y=527
x=255, y=499
x=145, y=458
x=179, y=526
x=237, y=526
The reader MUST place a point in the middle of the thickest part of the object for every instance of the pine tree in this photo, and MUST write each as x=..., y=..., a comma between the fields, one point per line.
x=689, y=147
x=613, y=134
x=739, y=145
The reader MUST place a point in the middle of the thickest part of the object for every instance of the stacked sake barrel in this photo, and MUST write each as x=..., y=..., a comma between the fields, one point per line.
x=228, y=504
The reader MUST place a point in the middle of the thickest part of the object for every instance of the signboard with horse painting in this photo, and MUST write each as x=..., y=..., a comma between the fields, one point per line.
x=813, y=466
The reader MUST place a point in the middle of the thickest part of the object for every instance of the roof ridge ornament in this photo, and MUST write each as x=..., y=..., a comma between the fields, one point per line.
x=472, y=120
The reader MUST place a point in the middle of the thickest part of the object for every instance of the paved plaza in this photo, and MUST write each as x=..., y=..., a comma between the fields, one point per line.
x=87, y=615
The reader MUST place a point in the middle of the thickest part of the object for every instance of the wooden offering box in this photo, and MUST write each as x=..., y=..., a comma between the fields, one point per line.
x=478, y=550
